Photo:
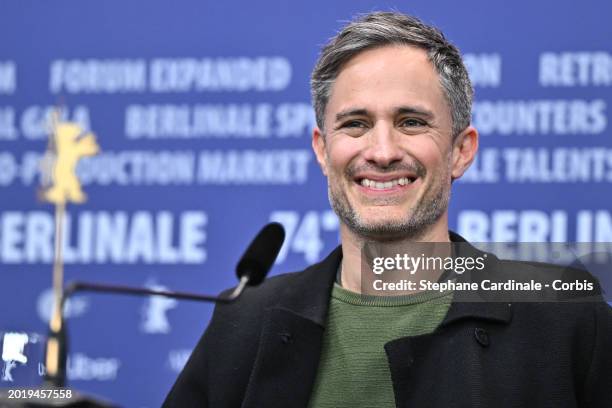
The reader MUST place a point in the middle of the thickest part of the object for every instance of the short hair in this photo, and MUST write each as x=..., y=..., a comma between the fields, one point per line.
x=379, y=29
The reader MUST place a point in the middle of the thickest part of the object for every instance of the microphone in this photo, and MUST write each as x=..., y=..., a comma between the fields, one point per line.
x=259, y=257
x=251, y=270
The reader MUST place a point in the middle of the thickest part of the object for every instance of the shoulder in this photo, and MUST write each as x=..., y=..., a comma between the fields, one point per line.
x=541, y=269
x=571, y=298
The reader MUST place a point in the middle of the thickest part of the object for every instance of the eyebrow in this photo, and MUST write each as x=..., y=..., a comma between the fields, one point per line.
x=401, y=110
x=351, y=112
x=415, y=110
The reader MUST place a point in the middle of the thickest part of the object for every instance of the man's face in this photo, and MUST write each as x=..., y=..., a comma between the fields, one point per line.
x=387, y=145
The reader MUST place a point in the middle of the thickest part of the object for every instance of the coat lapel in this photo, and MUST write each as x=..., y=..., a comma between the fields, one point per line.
x=290, y=345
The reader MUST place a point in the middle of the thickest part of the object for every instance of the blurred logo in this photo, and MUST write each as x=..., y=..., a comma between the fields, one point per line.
x=6, y=370
x=74, y=307
x=154, y=312
x=84, y=368
x=68, y=145
x=13, y=345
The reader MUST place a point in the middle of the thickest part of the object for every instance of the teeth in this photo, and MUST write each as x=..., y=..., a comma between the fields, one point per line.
x=403, y=181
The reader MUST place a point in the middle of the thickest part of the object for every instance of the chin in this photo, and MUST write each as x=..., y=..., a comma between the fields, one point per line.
x=383, y=223
x=384, y=216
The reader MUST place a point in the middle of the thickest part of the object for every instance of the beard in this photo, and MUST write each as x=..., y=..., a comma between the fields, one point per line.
x=417, y=220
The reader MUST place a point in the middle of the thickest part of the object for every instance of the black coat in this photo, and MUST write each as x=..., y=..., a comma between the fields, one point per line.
x=263, y=351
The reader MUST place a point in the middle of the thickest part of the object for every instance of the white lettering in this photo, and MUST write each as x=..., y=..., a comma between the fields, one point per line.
x=559, y=165
x=103, y=237
x=8, y=77
x=35, y=121
x=7, y=124
x=534, y=226
x=484, y=169
x=484, y=69
x=97, y=76
x=8, y=168
x=193, y=236
x=253, y=167
x=138, y=168
x=199, y=121
x=558, y=117
x=575, y=69
x=220, y=74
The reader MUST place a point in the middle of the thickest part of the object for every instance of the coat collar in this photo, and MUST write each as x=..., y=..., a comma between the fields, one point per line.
x=308, y=296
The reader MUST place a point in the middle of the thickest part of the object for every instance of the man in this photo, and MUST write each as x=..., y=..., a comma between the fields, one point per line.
x=392, y=100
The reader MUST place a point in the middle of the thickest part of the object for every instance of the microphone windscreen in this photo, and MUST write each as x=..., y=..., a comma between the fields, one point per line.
x=260, y=255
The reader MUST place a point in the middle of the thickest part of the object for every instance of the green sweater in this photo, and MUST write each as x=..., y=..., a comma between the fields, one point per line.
x=353, y=370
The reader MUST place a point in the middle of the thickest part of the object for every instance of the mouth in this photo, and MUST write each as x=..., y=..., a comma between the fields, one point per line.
x=386, y=183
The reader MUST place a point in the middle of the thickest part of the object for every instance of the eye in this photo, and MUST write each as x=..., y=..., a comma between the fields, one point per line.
x=353, y=124
x=354, y=127
x=412, y=122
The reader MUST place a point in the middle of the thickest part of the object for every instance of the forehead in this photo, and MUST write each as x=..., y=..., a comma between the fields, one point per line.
x=386, y=77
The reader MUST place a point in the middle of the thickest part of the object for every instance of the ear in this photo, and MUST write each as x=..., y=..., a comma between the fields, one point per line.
x=465, y=147
x=318, y=146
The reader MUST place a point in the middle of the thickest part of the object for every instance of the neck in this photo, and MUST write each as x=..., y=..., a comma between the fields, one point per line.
x=354, y=269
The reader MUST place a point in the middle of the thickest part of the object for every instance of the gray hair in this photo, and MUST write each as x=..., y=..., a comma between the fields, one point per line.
x=392, y=28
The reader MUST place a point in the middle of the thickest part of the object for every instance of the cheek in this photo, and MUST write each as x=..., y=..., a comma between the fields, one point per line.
x=428, y=153
x=437, y=162
x=339, y=154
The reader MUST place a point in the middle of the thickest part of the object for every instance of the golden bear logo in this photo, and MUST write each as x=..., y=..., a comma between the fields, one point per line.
x=70, y=143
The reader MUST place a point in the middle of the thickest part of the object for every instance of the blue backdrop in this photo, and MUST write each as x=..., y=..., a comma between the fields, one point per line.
x=202, y=112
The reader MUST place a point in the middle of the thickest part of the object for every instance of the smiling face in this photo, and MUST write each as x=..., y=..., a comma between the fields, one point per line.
x=387, y=147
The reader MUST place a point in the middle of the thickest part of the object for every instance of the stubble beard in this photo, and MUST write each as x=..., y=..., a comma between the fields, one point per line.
x=418, y=219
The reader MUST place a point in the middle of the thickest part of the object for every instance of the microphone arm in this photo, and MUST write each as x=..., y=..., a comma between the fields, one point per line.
x=77, y=286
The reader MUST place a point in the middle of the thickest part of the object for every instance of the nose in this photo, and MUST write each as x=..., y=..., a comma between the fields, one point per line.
x=383, y=146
